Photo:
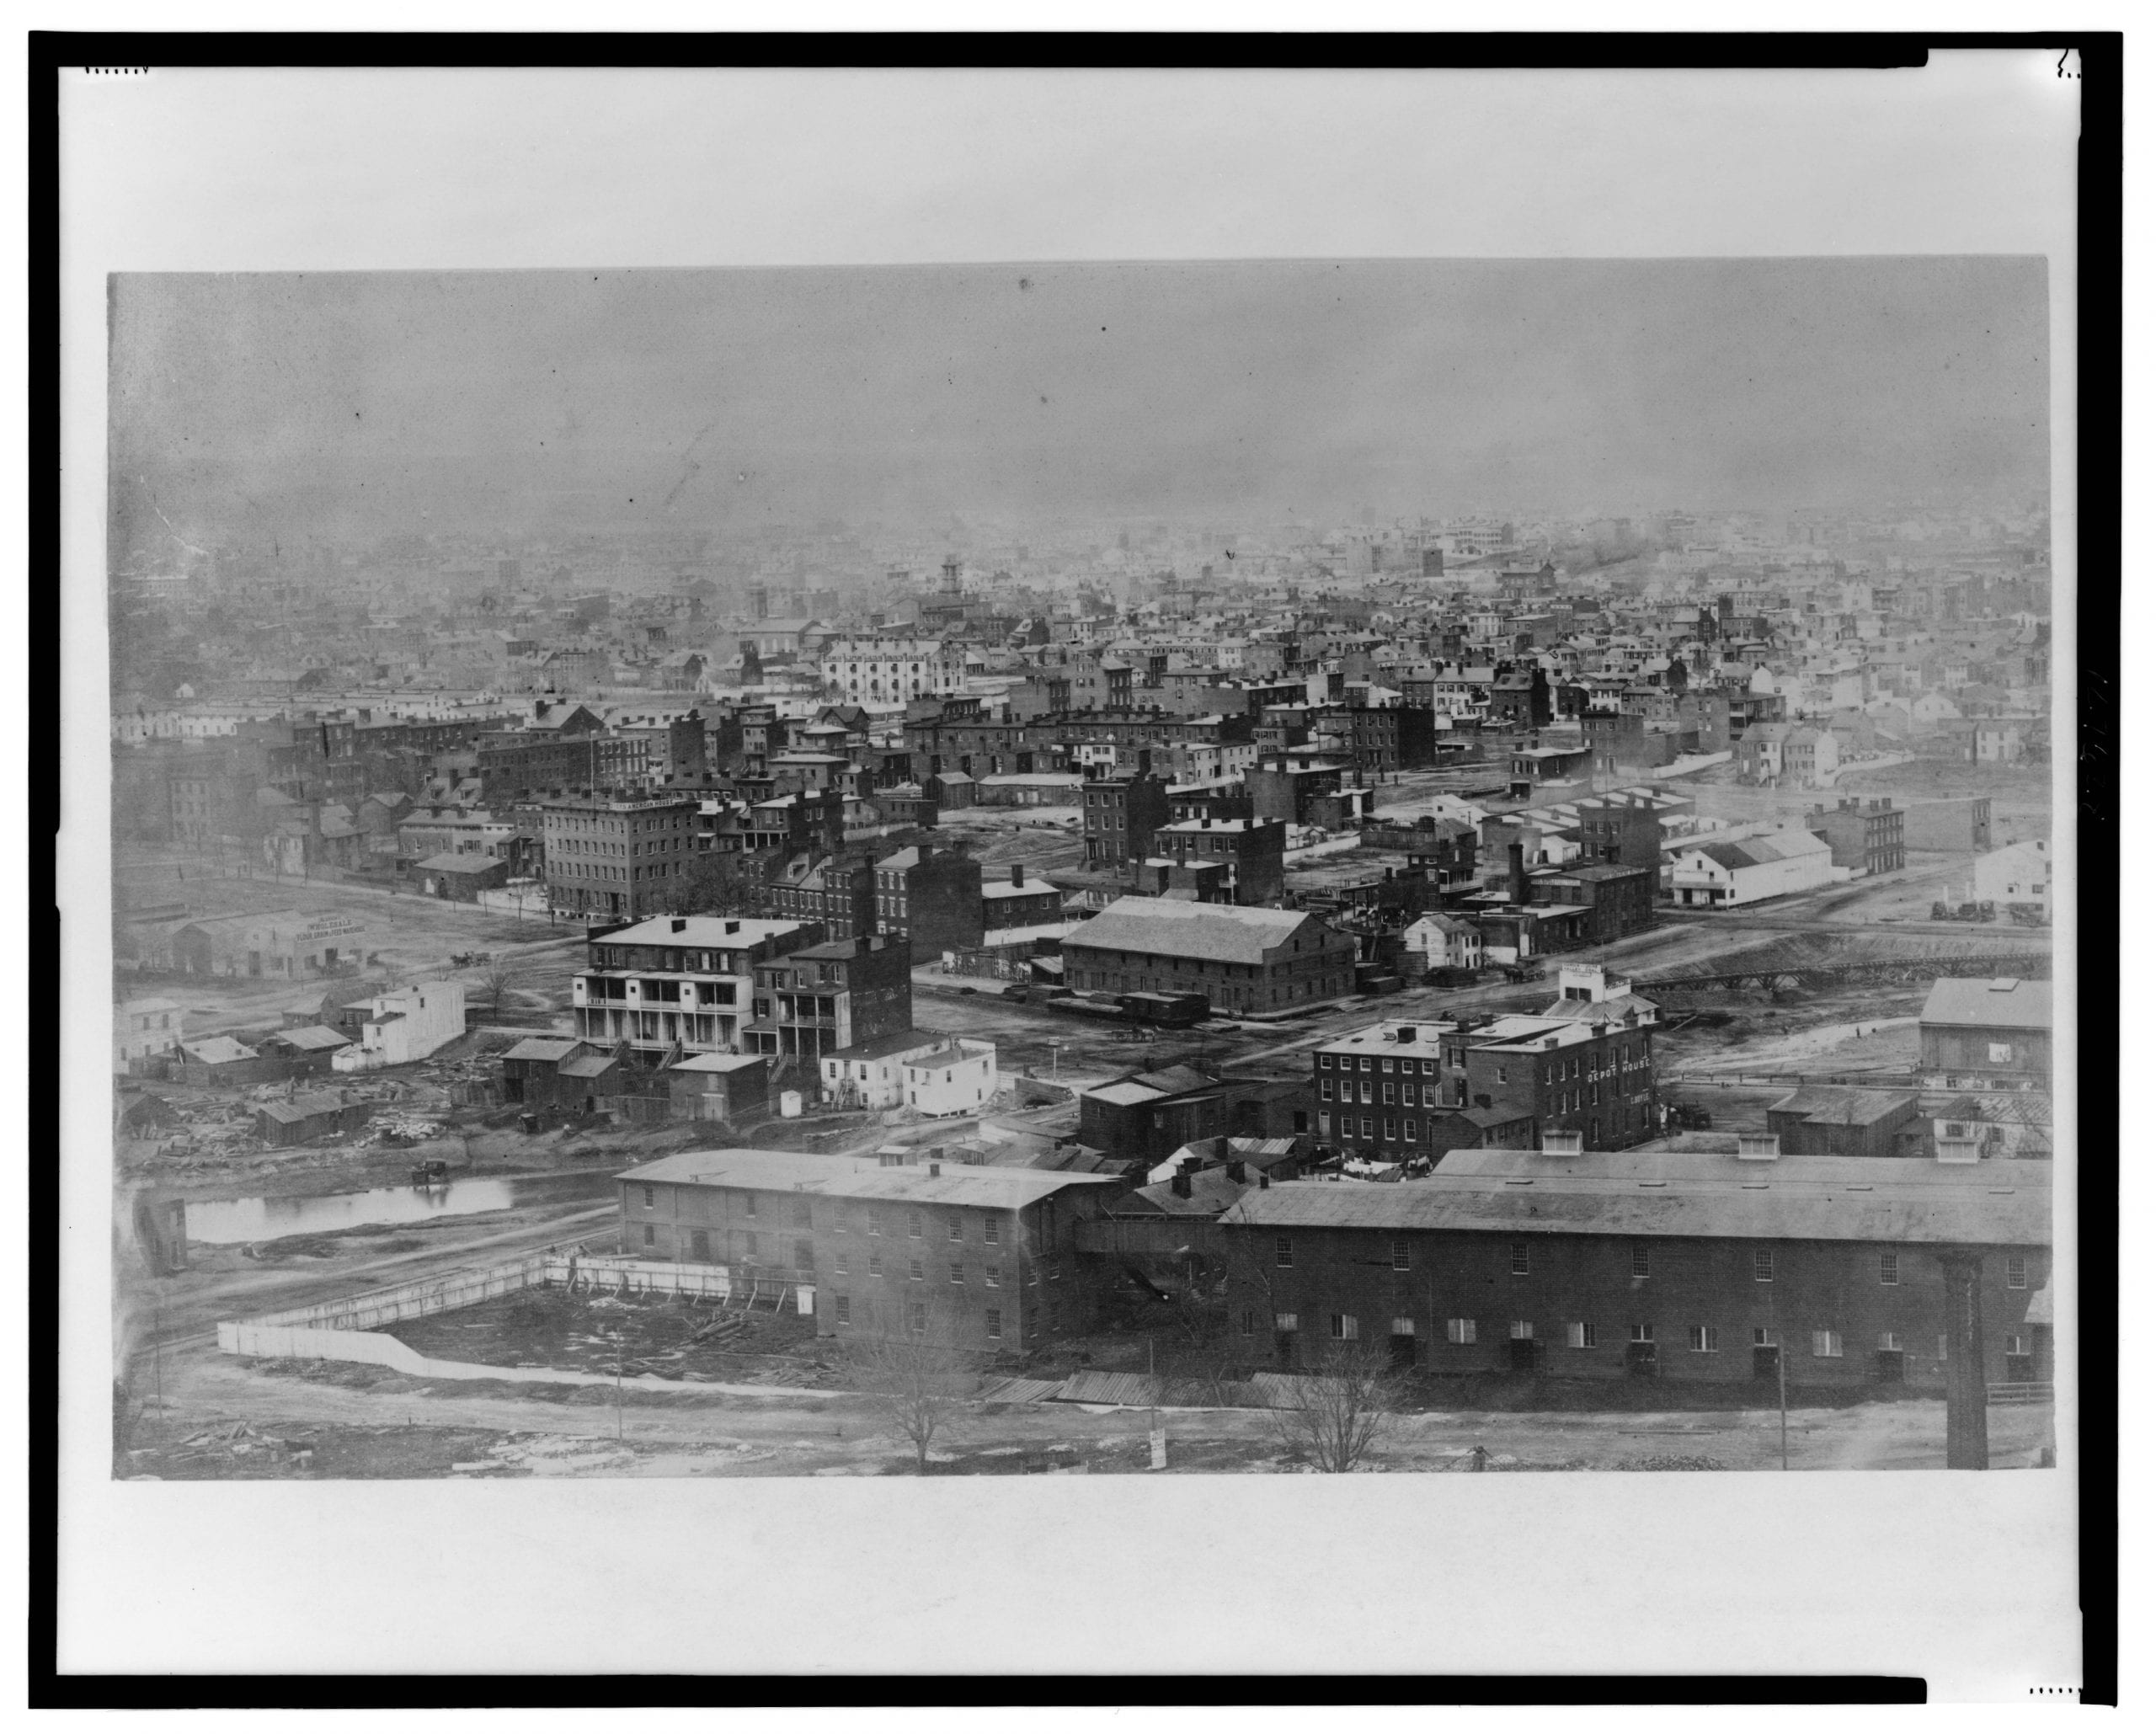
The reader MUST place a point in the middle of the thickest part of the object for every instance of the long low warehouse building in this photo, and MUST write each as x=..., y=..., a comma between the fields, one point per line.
x=1663, y=1263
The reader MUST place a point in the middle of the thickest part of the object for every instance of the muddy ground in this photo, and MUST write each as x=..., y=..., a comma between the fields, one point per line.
x=368, y=1420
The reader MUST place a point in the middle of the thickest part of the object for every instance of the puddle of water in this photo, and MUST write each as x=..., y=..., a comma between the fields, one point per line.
x=225, y=1222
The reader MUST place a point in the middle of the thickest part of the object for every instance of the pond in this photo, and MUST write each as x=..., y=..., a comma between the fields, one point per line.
x=224, y=1222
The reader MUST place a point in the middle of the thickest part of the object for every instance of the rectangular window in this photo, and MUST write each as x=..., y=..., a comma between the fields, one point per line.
x=875, y=1264
x=2017, y=1272
x=1890, y=1342
x=1403, y=1327
x=1459, y=1330
x=1706, y=1339
x=1581, y=1336
x=1826, y=1345
x=1366, y=1125
x=991, y=1231
x=993, y=1276
x=846, y=1308
x=804, y=1255
x=1643, y=1333
x=1247, y=1324
x=1055, y=1273
x=1523, y=1330
x=1520, y=1263
x=838, y=1264
x=916, y=1272
x=957, y=1227
x=1400, y=1261
x=1762, y=1264
x=1345, y=1327
x=1286, y=1321
x=1889, y=1269
x=958, y=1273
x=748, y=1241
x=995, y=1318
x=1283, y=1251
x=917, y=1316
x=749, y=1203
x=1761, y=1337
x=1642, y=1266
x=650, y=1235
x=913, y=1223
x=839, y=1223
x=1325, y=1089
x=1390, y=1132
x=2016, y=1344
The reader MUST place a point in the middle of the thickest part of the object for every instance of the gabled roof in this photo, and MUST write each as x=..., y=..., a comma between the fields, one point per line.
x=1214, y=932
x=216, y=1050
x=543, y=1047
x=2004, y=1003
x=1830, y=1105
x=1885, y=1199
x=311, y=1037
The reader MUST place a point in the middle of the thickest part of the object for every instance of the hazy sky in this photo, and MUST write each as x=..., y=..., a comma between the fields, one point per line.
x=360, y=405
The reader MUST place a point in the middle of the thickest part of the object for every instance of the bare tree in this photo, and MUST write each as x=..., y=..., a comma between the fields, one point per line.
x=1342, y=1409
x=915, y=1374
x=498, y=980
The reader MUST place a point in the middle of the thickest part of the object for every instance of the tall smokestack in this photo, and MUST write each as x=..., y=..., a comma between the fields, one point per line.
x=1518, y=854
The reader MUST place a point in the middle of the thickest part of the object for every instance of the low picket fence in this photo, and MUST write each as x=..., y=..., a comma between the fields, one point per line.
x=350, y=1328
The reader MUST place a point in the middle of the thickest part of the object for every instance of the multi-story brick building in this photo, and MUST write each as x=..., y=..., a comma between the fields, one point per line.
x=1122, y=813
x=1018, y=902
x=888, y=670
x=684, y=979
x=825, y=997
x=1619, y=900
x=615, y=854
x=838, y=891
x=1707, y=1268
x=1864, y=835
x=1395, y=1090
x=931, y=896
x=1250, y=853
x=983, y=1259
x=1622, y=827
x=1241, y=959
x=1386, y=739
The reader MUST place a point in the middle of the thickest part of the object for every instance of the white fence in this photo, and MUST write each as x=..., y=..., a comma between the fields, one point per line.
x=349, y=1328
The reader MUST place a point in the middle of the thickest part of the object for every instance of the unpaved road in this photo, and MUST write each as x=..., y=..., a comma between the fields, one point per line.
x=840, y=1435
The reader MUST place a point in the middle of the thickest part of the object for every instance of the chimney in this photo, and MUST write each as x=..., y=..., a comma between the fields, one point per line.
x=1264, y=1180
x=1017, y=873
x=935, y=1171
x=1408, y=1033
x=678, y=925
x=1237, y=1173
x=1517, y=855
x=1758, y=1146
x=733, y=926
x=1563, y=1143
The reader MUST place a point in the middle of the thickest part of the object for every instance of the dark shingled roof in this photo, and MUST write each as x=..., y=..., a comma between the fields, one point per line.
x=1893, y=1200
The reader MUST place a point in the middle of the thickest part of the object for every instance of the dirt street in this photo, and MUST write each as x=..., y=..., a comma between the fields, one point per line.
x=709, y=1434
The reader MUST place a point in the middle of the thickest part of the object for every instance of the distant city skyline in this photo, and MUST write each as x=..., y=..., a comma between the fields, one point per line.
x=350, y=407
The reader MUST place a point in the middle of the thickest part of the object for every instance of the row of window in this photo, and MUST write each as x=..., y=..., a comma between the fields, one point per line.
x=916, y=1317
x=1584, y=1334
x=954, y=1225
x=1521, y=1255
